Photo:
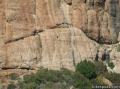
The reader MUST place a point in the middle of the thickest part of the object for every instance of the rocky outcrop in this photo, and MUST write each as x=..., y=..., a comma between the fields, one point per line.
x=55, y=33
x=53, y=48
x=99, y=19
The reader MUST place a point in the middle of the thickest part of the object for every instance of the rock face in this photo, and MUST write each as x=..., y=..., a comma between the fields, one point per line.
x=53, y=48
x=55, y=33
x=99, y=19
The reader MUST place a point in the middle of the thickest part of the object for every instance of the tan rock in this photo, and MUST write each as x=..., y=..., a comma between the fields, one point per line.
x=2, y=32
x=24, y=53
x=64, y=47
x=53, y=48
x=95, y=17
x=19, y=18
x=79, y=16
x=48, y=33
x=93, y=28
x=51, y=15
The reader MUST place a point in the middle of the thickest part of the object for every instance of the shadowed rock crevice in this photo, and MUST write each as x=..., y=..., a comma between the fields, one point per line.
x=22, y=38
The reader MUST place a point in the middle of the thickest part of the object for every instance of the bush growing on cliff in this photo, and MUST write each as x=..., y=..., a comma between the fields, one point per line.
x=100, y=68
x=118, y=48
x=13, y=76
x=111, y=65
x=113, y=77
x=51, y=79
x=81, y=82
x=31, y=85
x=87, y=68
x=11, y=86
x=98, y=81
x=84, y=77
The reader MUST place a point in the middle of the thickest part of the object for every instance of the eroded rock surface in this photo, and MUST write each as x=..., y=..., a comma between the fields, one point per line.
x=55, y=33
x=53, y=48
x=99, y=19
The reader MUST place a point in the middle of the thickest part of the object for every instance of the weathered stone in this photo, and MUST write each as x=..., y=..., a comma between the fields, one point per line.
x=2, y=32
x=98, y=12
x=53, y=48
x=65, y=47
x=50, y=16
x=99, y=19
x=20, y=21
x=49, y=33
x=25, y=53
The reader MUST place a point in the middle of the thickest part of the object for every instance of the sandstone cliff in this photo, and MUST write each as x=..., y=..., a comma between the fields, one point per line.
x=56, y=33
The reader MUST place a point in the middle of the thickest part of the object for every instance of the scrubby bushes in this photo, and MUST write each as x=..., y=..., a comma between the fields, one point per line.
x=64, y=79
x=100, y=68
x=97, y=81
x=87, y=74
x=111, y=65
x=50, y=79
x=87, y=68
x=118, y=48
x=81, y=82
x=11, y=86
x=13, y=76
x=113, y=77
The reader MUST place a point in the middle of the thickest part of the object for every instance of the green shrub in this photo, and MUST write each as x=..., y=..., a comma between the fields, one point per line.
x=29, y=78
x=81, y=82
x=100, y=68
x=31, y=85
x=111, y=65
x=87, y=68
x=1, y=85
x=118, y=48
x=83, y=78
x=13, y=76
x=98, y=81
x=11, y=86
x=113, y=77
x=51, y=79
x=51, y=85
x=45, y=75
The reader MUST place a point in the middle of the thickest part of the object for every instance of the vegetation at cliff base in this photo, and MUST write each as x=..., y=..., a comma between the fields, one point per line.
x=87, y=68
x=13, y=76
x=118, y=48
x=86, y=75
x=11, y=86
x=51, y=79
x=111, y=65
x=113, y=77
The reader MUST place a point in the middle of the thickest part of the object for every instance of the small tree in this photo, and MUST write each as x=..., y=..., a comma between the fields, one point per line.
x=100, y=68
x=111, y=65
x=87, y=68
